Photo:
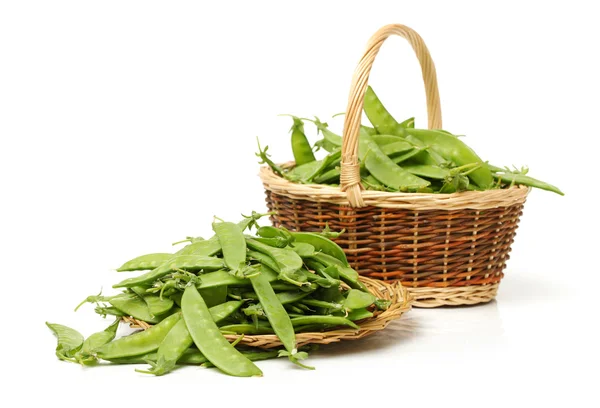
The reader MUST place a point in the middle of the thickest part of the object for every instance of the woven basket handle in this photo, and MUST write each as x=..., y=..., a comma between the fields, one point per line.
x=350, y=170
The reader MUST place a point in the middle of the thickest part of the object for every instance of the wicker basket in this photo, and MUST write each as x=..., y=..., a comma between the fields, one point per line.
x=394, y=291
x=447, y=249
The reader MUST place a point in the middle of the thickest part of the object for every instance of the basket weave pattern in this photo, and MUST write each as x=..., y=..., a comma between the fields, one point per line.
x=421, y=248
x=401, y=303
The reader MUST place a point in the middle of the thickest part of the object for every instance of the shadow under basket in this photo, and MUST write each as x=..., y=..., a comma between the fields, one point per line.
x=447, y=249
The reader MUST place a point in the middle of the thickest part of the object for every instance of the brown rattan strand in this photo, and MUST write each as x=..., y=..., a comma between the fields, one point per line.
x=453, y=296
x=478, y=200
x=394, y=291
x=429, y=248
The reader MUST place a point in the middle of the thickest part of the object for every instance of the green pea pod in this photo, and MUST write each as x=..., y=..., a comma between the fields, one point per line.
x=145, y=262
x=86, y=355
x=328, y=163
x=371, y=131
x=301, y=148
x=304, y=249
x=156, y=305
x=321, y=244
x=303, y=172
x=396, y=148
x=411, y=154
x=514, y=178
x=69, y=341
x=371, y=183
x=379, y=116
x=347, y=274
x=330, y=137
x=139, y=343
x=173, y=346
x=359, y=314
x=214, y=296
x=133, y=305
x=287, y=261
x=186, y=262
x=357, y=299
x=408, y=123
x=112, y=311
x=384, y=169
x=209, y=340
x=428, y=170
x=263, y=259
x=233, y=246
x=329, y=177
x=277, y=242
x=456, y=151
x=384, y=140
x=276, y=314
x=224, y=310
x=428, y=156
x=329, y=320
x=270, y=232
x=329, y=306
x=246, y=328
x=209, y=247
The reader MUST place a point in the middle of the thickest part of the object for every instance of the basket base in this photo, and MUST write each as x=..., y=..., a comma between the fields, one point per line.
x=453, y=296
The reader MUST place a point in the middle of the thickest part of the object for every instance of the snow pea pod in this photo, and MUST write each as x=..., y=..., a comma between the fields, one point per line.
x=276, y=314
x=329, y=177
x=359, y=314
x=175, y=343
x=86, y=355
x=329, y=162
x=304, y=249
x=139, y=343
x=455, y=150
x=133, y=305
x=69, y=341
x=321, y=244
x=428, y=170
x=384, y=169
x=209, y=247
x=427, y=156
x=301, y=148
x=209, y=340
x=522, y=179
x=156, y=305
x=304, y=172
x=395, y=148
x=379, y=116
x=329, y=320
x=347, y=274
x=233, y=245
x=384, y=140
x=145, y=262
x=287, y=261
x=186, y=262
x=357, y=299
x=330, y=137
x=410, y=154
x=224, y=278
x=263, y=259
x=246, y=328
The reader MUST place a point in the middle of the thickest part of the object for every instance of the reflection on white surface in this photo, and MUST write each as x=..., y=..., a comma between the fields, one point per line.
x=432, y=330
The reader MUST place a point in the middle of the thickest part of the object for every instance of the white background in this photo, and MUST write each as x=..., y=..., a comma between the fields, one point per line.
x=126, y=125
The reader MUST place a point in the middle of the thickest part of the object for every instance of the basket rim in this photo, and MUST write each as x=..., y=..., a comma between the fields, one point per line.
x=476, y=200
x=402, y=302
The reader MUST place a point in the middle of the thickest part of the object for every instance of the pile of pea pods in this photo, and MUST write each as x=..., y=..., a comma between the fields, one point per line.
x=394, y=156
x=235, y=283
